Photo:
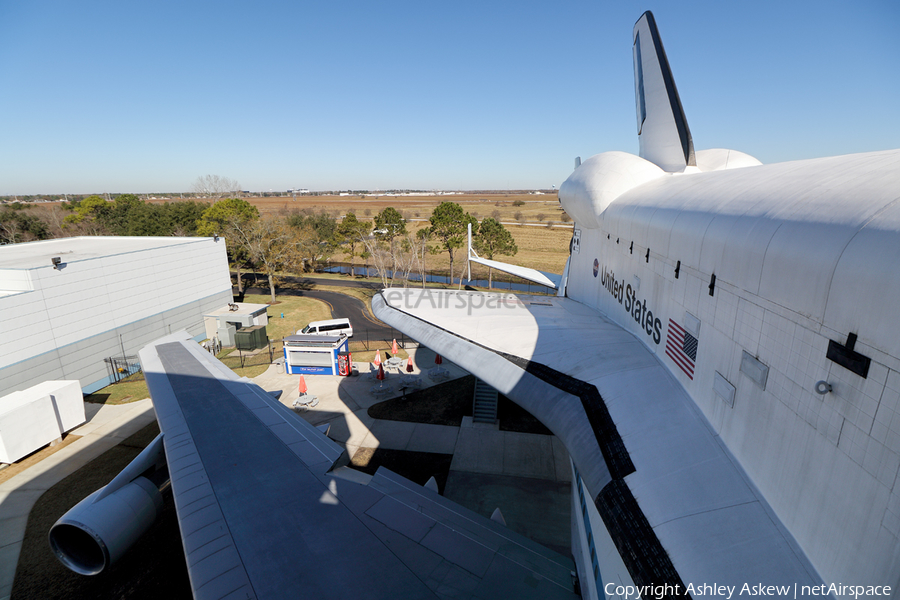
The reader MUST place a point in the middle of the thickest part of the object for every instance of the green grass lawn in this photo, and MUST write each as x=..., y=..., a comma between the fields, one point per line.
x=128, y=390
x=255, y=364
x=297, y=310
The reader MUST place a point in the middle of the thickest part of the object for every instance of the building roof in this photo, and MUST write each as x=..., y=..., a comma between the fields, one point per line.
x=243, y=308
x=313, y=340
x=32, y=255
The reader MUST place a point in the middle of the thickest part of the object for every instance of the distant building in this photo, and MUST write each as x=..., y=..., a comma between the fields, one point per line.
x=69, y=303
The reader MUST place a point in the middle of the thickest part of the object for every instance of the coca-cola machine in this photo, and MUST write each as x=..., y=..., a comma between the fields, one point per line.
x=345, y=363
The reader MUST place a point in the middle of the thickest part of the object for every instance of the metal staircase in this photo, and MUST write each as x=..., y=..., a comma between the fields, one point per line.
x=484, y=406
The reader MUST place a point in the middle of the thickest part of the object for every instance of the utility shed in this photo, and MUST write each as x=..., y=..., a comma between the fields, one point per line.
x=225, y=321
x=67, y=304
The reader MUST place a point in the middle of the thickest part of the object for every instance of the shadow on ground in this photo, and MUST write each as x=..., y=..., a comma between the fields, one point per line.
x=418, y=467
x=447, y=403
x=536, y=508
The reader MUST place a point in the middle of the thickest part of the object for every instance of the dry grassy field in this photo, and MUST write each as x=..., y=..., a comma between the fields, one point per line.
x=537, y=224
x=420, y=207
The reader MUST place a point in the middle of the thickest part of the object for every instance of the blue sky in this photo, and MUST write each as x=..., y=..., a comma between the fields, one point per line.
x=140, y=97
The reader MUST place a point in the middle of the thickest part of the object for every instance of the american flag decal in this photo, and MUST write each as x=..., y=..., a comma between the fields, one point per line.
x=681, y=347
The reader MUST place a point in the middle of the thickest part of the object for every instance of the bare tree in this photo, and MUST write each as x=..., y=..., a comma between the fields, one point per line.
x=275, y=246
x=215, y=187
x=410, y=254
x=423, y=248
x=228, y=218
x=9, y=231
x=382, y=259
x=55, y=216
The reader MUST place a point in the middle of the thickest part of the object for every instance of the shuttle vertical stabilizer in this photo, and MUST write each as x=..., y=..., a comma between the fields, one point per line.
x=663, y=132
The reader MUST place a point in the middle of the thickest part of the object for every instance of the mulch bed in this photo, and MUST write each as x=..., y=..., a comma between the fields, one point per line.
x=153, y=568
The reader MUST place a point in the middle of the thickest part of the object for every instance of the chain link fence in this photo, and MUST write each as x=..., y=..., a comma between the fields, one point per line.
x=364, y=341
x=234, y=358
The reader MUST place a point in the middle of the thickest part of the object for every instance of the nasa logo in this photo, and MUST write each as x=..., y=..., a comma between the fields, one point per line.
x=596, y=267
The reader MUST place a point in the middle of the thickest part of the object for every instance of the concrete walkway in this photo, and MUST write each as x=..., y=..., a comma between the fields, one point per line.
x=107, y=427
x=486, y=449
x=344, y=402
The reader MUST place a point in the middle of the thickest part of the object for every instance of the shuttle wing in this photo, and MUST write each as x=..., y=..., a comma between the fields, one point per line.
x=265, y=513
x=677, y=505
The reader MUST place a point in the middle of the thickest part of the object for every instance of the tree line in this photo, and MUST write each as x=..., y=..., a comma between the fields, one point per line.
x=274, y=244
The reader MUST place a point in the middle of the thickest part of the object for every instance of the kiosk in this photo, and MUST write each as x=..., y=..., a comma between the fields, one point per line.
x=317, y=354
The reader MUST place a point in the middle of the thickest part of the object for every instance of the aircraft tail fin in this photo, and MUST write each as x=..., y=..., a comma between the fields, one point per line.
x=663, y=132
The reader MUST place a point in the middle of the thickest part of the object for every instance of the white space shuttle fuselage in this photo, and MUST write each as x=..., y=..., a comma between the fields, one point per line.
x=769, y=292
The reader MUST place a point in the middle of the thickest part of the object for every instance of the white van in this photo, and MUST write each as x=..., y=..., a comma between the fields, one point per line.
x=332, y=327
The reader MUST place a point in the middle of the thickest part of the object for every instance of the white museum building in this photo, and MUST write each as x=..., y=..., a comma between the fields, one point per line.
x=67, y=304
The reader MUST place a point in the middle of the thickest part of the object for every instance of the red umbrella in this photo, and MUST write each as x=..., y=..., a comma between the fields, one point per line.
x=377, y=360
x=437, y=359
x=380, y=375
x=409, y=365
x=302, y=385
x=394, y=348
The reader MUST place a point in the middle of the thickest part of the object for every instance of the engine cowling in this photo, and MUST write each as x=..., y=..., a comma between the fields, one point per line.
x=95, y=534
x=97, y=531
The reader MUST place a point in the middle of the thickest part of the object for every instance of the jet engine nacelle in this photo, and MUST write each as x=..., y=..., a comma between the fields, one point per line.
x=600, y=180
x=98, y=530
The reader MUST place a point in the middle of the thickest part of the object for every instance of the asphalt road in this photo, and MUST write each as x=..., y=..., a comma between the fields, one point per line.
x=372, y=283
x=365, y=326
